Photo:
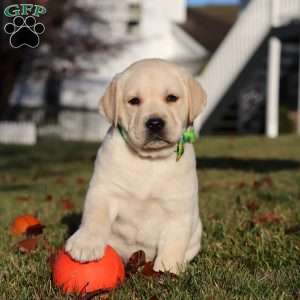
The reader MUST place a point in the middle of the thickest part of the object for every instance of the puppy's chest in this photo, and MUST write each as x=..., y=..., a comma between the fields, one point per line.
x=139, y=222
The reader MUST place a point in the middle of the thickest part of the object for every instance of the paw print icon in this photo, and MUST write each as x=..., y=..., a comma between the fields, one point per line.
x=24, y=32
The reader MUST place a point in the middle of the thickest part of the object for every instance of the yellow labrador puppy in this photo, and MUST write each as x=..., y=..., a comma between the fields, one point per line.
x=140, y=197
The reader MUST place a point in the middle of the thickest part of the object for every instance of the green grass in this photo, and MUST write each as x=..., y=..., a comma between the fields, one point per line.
x=240, y=258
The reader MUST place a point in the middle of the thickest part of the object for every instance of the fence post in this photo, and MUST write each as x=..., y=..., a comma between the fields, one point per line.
x=273, y=76
x=298, y=105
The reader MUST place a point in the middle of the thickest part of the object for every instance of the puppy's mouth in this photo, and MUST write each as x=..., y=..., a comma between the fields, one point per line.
x=156, y=141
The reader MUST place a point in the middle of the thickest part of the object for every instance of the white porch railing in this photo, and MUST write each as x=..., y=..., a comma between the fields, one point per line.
x=238, y=47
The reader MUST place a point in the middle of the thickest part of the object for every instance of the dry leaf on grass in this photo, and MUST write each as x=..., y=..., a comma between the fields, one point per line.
x=137, y=263
x=49, y=198
x=148, y=270
x=241, y=185
x=267, y=180
x=267, y=218
x=35, y=229
x=27, y=245
x=67, y=204
x=80, y=180
x=23, y=198
x=252, y=205
x=136, y=260
x=257, y=184
x=60, y=180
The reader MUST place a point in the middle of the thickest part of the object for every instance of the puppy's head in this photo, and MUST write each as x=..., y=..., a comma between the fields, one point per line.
x=154, y=101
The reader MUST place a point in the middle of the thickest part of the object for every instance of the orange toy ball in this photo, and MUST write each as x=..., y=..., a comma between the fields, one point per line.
x=73, y=276
x=22, y=223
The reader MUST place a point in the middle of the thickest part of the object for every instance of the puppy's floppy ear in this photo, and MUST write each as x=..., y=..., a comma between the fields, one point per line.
x=109, y=105
x=196, y=98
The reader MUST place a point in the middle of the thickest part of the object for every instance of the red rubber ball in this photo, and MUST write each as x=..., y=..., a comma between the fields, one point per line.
x=73, y=276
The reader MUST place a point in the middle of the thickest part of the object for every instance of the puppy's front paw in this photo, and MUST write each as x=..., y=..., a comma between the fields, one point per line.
x=84, y=246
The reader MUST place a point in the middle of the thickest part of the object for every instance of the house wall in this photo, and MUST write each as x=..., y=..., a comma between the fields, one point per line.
x=155, y=35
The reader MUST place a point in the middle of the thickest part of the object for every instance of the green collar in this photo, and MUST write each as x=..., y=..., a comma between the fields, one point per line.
x=188, y=136
x=123, y=133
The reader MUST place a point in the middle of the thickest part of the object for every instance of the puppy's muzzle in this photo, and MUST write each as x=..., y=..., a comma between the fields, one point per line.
x=155, y=125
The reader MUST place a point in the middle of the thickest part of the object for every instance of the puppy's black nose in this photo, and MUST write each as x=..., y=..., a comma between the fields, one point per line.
x=155, y=124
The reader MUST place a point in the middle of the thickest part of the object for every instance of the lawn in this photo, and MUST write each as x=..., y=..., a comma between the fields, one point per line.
x=249, y=204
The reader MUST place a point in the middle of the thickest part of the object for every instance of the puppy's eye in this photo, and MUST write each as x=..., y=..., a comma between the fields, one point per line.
x=171, y=98
x=134, y=101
